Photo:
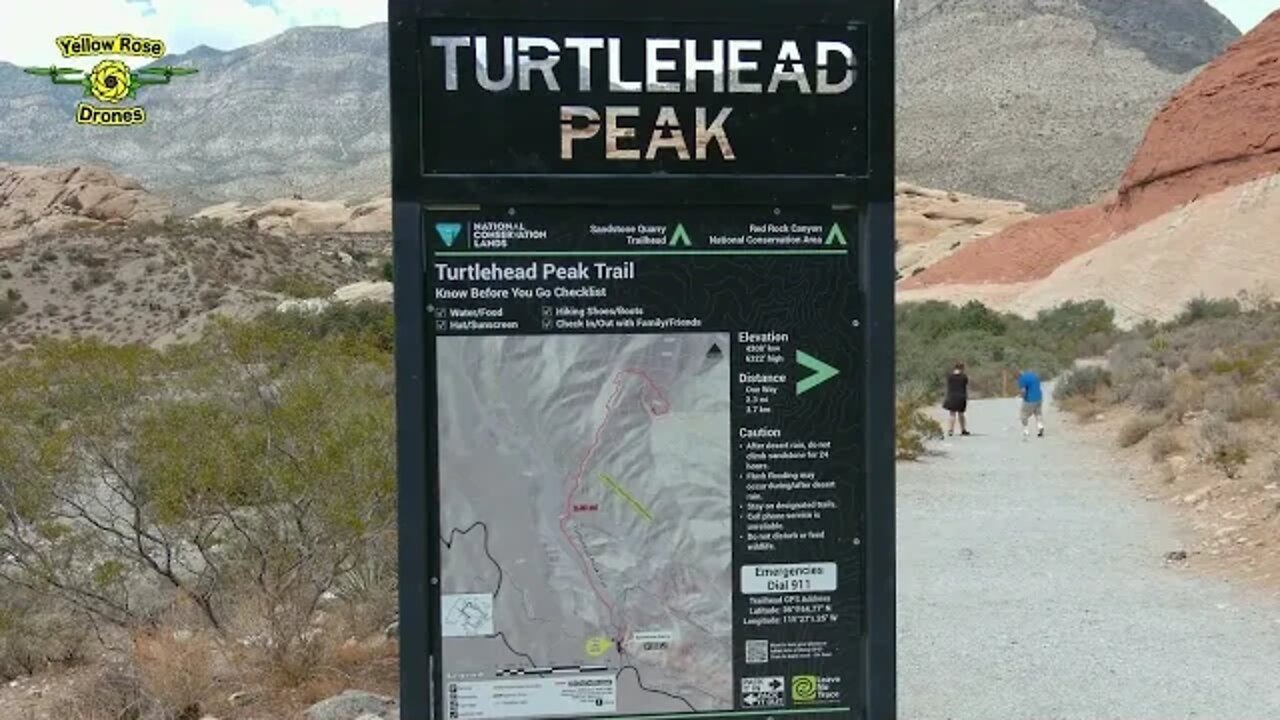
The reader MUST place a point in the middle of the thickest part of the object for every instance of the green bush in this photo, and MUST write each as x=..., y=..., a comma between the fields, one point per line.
x=265, y=449
x=933, y=336
x=914, y=428
x=1082, y=382
x=1202, y=308
x=300, y=285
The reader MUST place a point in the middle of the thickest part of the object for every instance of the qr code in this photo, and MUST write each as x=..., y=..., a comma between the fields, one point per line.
x=757, y=652
x=763, y=692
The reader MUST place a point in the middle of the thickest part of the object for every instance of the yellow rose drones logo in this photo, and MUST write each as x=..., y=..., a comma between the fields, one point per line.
x=110, y=81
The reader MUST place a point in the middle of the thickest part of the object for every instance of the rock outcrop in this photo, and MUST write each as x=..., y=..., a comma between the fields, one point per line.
x=304, y=217
x=37, y=200
x=1041, y=101
x=1216, y=132
x=932, y=224
x=354, y=705
x=1217, y=246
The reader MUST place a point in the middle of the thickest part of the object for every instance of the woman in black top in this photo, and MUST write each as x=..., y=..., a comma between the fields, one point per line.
x=957, y=400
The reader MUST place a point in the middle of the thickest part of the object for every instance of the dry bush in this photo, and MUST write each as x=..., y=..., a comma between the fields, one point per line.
x=176, y=671
x=1238, y=404
x=1164, y=444
x=913, y=428
x=1188, y=396
x=36, y=633
x=114, y=693
x=1153, y=394
x=1084, y=391
x=1224, y=446
x=1137, y=429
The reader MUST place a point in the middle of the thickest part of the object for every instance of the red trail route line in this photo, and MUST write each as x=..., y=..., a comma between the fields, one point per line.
x=656, y=406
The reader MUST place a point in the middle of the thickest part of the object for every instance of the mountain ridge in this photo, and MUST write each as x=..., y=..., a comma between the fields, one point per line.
x=1040, y=101
x=305, y=113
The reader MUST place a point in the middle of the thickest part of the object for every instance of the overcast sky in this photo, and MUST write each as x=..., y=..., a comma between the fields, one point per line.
x=27, y=27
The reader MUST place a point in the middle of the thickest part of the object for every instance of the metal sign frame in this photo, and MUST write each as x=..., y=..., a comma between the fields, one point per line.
x=414, y=190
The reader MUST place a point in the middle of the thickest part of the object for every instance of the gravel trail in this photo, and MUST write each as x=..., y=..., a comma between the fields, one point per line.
x=1032, y=585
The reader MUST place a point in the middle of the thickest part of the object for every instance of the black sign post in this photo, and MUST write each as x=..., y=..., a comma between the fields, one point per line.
x=644, y=323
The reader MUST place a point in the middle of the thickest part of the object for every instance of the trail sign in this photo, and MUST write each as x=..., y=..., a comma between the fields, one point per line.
x=644, y=270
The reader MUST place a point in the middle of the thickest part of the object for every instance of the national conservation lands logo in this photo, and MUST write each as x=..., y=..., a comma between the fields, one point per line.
x=110, y=81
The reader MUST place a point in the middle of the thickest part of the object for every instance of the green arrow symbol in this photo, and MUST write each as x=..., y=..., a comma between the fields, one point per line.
x=822, y=372
x=835, y=236
x=680, y=237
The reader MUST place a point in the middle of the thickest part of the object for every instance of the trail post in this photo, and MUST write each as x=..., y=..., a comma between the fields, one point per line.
x=644, y=279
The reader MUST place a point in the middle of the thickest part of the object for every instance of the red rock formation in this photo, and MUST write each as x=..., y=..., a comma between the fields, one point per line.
x=1221, y=129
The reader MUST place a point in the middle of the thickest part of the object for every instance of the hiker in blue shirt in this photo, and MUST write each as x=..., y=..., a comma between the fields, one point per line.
x=1032, y=402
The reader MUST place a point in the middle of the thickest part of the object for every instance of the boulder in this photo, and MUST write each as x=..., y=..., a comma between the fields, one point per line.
x=354, y=705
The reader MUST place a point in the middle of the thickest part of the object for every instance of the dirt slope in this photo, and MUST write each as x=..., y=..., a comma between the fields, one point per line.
x=1217, y=131
x=161, y=283
x=1216, y=246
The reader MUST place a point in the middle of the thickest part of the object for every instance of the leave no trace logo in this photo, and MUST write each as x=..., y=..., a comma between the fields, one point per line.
x=110, y=81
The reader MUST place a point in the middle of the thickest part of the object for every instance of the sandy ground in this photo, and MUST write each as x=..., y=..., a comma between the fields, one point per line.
x=1033, y=584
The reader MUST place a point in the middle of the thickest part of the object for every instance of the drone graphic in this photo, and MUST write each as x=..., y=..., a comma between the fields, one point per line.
x=111, y=81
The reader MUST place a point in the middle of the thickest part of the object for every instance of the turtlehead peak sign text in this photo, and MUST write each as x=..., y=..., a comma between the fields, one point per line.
x=668, y=66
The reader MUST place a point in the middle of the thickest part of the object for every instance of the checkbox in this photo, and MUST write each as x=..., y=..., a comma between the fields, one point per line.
x=548, y=324
x=442, y=312
x=548, y=311
x=442, y=325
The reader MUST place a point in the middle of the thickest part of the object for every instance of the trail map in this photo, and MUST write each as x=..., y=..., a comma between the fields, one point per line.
x=586, y=524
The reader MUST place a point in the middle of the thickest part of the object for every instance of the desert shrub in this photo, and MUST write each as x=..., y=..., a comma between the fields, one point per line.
x=1224, y=446
x=932, y=336
x=299, y=285
x=368, y=323
x=1237, y=404
x=1136, y=429
x=176, y=670
x=11, y=306
x=35, y=633
x=1153, y=394
x=1202, y=308
x=1164, y=444
x=388, y=271
x=238, y=476
x=1083, y=382
x=913, y=428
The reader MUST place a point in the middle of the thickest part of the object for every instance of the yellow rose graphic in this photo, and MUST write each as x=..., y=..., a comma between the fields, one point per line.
x=110, y=81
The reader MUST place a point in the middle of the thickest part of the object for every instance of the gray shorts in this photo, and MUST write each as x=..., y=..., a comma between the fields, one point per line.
x=1032, y=408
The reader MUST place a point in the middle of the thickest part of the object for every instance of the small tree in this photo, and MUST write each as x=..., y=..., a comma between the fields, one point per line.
x=255, y=467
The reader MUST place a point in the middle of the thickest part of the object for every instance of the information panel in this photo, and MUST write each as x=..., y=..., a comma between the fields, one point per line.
x=650, y=474
x=644, y=358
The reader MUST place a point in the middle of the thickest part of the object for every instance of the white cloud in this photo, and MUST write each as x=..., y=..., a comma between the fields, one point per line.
x=28, y=27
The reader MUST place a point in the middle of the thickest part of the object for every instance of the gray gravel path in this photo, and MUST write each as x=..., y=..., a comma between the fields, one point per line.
x=1032, y=584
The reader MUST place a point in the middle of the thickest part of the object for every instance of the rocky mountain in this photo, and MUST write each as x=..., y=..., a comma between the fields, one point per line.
x=1194, y=211
x=1042, y=101
x=303, y=113
x=984, y=85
